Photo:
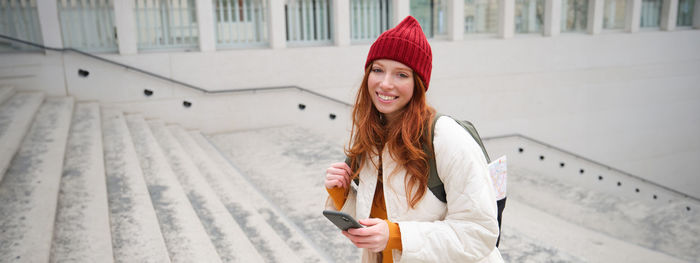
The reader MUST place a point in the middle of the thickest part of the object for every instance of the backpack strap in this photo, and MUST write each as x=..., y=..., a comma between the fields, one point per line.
x=434, y=183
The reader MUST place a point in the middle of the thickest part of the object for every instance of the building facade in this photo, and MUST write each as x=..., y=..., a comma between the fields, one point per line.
x=131, y=27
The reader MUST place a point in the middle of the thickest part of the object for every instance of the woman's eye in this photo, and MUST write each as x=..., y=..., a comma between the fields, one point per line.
x=403, y=75
x=376, y=70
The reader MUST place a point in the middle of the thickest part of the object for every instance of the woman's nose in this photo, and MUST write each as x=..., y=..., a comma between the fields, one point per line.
x=387, y=82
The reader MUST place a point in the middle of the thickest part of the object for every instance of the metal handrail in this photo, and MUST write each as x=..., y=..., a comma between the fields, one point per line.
x=161, y=77
x=591, y=161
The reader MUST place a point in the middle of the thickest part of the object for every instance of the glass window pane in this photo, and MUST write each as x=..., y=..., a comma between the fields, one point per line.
x=685, y=12
x=529, y=16
x=369, y=18
x=574, y=15
x=166, y=24
x=480, y=16
x=614, y=14
x=432, y=16
x=651, y=13
x=309, y=21
x=240, y=23
x=440, y=17
x=421, y=10
x=88, y=26
x=19, y=21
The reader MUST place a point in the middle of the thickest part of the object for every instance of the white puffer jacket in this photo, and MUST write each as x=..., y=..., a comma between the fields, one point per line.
x=463, y=230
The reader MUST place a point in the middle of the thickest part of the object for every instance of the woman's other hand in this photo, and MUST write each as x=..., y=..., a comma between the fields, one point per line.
x=338, y=175
x=373, y=237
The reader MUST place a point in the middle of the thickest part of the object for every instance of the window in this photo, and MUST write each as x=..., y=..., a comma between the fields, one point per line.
x=614, y=14
x=529, y=16
x=240, y=22
x=432, y=16
x=165, y=24
x=651, y=13
x=480, y=16
x=308, y=21
x=19, y=19
x=88, y=26
x=685, y=12
x=574, y=15
x=369, y=18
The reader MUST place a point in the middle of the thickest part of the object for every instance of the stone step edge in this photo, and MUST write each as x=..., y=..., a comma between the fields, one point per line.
x=243, y=249
x=244, y=204
x=212, y=214
x=81, y=227
x=8, y=154
x=147, y=243
x=35, y=184
x=218, y=154
x=184, y=235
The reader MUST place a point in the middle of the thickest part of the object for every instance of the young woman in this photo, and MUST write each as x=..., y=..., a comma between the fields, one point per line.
x=404, y=220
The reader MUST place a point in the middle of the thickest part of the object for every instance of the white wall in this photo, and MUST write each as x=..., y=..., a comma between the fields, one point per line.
x=214, y=113
x=33, y=71
x=578, y=171
x=627, y=100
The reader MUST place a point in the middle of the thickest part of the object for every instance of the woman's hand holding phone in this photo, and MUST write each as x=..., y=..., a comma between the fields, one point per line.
x=376, y=233
x=371, y=233
x=374, y=236
x=338, y=175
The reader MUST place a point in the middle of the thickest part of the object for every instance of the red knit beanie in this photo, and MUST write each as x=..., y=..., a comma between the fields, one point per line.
x=407, y=44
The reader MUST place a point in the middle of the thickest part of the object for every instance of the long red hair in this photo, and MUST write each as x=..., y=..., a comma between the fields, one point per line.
x=405, y=138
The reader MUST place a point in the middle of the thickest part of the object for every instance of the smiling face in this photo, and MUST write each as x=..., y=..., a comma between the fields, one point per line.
x=390, y=85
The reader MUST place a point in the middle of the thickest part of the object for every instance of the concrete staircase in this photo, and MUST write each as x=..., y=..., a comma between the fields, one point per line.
x=85, y=183
x=548, y=218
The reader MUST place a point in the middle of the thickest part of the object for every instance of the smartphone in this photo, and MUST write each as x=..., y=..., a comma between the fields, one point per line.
x=342, y=220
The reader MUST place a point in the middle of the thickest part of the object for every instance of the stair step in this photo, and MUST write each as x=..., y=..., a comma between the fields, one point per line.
x=82, y=231
x=263, y=155
x=223, y=230
x=136, y=235
x=587, y=207
x=228, y=237
x=16, y=116
x=579, y=241
x=29, y=190
x=184, y=235
x=5, y=93
x=264, y=225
